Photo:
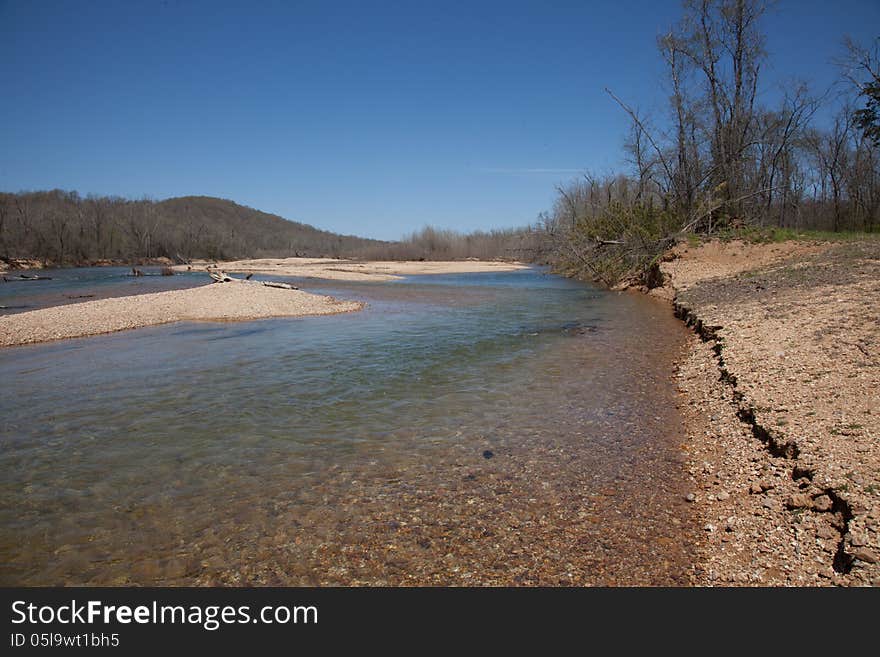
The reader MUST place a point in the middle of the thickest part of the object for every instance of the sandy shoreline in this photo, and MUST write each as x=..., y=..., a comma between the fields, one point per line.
x=350, y=270
x=226, y=302
x=780, y=390
x=213, y=302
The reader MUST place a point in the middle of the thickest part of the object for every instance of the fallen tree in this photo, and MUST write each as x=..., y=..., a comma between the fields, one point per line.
x=24, y=277
x=223, y=277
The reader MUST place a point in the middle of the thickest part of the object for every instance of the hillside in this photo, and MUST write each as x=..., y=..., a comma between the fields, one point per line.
x=239, y=228
x=60, y=227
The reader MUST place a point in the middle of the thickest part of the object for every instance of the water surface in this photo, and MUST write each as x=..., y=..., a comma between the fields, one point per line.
x=512, y=428
x=78, y=284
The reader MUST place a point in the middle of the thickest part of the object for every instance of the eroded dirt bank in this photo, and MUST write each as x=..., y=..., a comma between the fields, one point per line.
x=780, y=390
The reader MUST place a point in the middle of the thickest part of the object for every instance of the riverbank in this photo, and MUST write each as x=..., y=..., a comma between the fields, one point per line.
x=232, y=302
x=353, y=270
x=14, y=264
x=217, y=302
x=780, y=391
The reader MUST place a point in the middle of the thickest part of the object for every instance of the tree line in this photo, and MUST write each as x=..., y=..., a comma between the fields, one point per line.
x=432, y=243
x=718, y=158
x=62, y=228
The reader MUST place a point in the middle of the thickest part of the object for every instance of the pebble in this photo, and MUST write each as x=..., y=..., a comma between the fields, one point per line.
x=175, y=568
x=822, y=503
x=866, y=555
x=799, y=501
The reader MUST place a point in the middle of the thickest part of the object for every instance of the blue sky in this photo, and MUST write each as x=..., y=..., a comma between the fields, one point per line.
x=367, y=118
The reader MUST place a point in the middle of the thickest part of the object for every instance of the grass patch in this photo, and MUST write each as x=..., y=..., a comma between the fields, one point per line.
x=774, y=235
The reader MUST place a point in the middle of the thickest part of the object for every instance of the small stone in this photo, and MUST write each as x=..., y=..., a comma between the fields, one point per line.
x=722, y=495
x=798, y=501
x=709, y=528
x=690, y=497
x=755, y=489
x=866, y=555
x=823, y=503
x=175, y=568
x=147, y=570
x=488, y=454
x=827, y=532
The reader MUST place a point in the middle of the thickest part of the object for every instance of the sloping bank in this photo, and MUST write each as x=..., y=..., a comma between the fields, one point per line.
x=780, y=390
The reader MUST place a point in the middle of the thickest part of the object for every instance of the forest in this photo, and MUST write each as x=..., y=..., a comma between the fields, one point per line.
x=62, y=228
x=718, y=159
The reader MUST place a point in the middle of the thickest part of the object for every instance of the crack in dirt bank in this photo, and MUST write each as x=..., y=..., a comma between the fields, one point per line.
x=780, y=401
x=840, y=510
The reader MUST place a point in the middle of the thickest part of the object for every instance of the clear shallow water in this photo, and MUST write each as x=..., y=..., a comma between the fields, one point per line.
x=351, y=449
x=76, y=284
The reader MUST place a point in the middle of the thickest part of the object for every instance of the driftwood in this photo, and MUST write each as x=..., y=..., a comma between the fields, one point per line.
x=23, y=277
x=223, y=277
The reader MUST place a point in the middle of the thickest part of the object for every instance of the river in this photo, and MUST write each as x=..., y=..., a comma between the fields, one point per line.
x=470, y=429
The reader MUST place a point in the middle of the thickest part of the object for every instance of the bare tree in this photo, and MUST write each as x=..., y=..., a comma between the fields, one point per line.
x=861, y=66
x=5, y=209
x=830, y=151
x=721, y=40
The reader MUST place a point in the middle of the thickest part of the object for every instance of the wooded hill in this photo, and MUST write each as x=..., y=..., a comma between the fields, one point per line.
x=61, y=227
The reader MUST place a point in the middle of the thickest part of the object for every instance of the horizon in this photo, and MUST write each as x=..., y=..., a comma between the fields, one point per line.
x=464, y=118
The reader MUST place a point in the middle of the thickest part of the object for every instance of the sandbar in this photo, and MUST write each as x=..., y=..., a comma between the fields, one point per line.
x=211, y=302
